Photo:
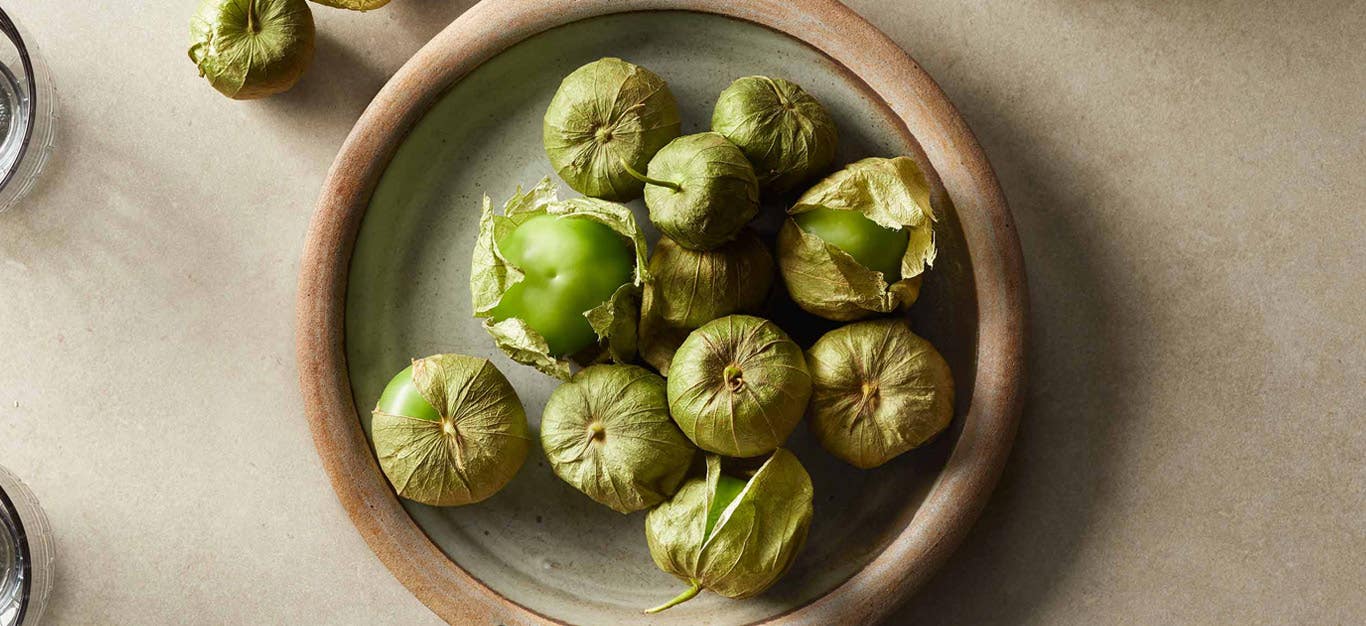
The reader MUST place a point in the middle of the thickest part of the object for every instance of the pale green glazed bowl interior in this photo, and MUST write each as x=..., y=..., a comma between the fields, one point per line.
x=539, y=542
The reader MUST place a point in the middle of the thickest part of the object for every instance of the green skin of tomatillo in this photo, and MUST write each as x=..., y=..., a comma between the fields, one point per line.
x=727, y=489
x=401, y=397
x=570, y=265
x=874, y=246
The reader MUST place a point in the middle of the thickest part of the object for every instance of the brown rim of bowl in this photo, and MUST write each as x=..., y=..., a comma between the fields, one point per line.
x=492, y=26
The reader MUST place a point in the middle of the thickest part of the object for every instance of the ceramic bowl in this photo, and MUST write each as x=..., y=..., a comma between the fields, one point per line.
x=386, y=273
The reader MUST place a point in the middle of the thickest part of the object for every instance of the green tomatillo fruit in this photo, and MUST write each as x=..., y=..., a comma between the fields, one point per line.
x=874, y=246
x=738, y=386
x=252, y=48
x=689, y=288
x=878, y=391
x=449, y=430
x=608, y=433
x=607, y=116
x=571, y=264
x=857, y=242
x=733, y=536
x=556, y=279
x=700, y=190
x=783, y=131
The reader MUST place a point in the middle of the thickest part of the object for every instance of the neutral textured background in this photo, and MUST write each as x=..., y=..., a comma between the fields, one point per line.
x=1187, y=179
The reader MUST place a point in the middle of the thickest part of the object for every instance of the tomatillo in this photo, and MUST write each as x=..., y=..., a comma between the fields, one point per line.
x=559, y=280
x=874, y=246
x=570, y=265
x=449, y=430
x=252, y=48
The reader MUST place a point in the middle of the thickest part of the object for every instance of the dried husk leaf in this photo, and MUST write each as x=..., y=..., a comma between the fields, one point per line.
x=738, y=386
x=478, y=445
x=492, y=274
x=354, y=5
x=827, y=281
x=878, y=391
x=752, y=544
x=784, y=132
x=604, y=113
x=608, y=433
x=689, y=288
x=716, y=195
x=616, y=322
x=245, y=59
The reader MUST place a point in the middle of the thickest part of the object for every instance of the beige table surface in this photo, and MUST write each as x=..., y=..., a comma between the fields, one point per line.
x=1187, y=179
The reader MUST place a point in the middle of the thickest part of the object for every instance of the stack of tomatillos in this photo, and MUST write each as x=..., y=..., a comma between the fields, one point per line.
x=561, y=282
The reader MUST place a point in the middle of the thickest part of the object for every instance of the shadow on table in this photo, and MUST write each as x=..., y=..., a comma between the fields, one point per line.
x=346, y=76
x=1037, y=522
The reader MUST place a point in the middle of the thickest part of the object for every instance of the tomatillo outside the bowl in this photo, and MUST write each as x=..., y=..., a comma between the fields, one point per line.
x=252, y=48
x=571, y=264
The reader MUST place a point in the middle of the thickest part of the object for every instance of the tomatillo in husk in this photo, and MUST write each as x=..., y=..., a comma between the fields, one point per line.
x=606, y=117
x=608, y=433
x=700, y=190
x=689, y=288
x=556, y=279
x=738, y=386
x=878, y=390
x=449, y=430
x=784, y=132
x=877, y=215
x=252, y=48
x=731, y=535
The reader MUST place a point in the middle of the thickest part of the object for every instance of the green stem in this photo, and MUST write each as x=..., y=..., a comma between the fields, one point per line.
x=646, y=179
x=688, y=594
x=251, y=16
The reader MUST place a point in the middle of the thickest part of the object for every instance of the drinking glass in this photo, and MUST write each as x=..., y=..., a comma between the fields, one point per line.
x=28, y=112
x=25, y=554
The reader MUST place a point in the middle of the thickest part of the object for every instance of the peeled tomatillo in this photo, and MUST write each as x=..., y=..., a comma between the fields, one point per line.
x=874, y=246
x=571, y=264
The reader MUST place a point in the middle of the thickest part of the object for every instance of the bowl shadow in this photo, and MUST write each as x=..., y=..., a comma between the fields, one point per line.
x=1036, y=524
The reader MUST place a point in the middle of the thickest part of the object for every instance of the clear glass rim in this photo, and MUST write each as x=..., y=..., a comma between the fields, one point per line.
x=11, y=514
x=8, y=27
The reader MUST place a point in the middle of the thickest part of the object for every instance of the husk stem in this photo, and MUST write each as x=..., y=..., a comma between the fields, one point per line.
x=688, y=594
x=646, y=179
x=251, y=16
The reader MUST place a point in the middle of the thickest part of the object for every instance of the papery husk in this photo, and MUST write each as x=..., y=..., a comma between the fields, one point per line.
x=878, y=390
x=244, y=63
x=608, y=97
x=784, y=132
x=353, y=5
x=717, y=192
x=738, y=386
x=608, y=433
x=491, y=274
x=825, y=280
x=478, y=445
x=752, y=544
x=689, y=288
